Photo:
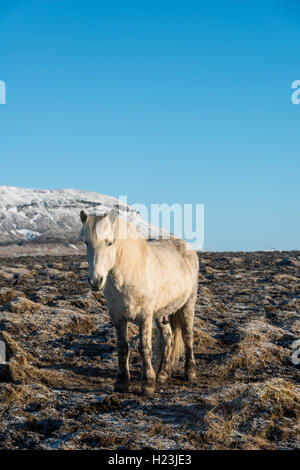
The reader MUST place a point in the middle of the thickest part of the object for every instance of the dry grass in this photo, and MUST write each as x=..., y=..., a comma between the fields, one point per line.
x=7, y=294
x=256, y=350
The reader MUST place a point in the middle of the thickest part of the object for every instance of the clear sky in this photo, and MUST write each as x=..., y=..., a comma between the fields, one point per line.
x=164, y=101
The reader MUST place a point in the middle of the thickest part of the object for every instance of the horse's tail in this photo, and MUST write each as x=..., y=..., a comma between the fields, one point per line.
x=178, y=344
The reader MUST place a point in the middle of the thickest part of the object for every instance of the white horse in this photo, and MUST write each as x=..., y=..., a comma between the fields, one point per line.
x=144, y=280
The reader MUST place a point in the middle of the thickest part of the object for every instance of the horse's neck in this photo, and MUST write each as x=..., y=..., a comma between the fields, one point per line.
x=131, y=252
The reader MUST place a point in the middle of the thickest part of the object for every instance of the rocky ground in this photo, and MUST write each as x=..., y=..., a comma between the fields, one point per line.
x=58, y=391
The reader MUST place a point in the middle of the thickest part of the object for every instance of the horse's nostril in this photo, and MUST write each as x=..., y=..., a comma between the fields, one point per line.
x=95, y=284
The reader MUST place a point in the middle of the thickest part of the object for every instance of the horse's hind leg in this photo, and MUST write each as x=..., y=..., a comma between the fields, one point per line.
x=123, y=376
x=165, y=333
x=145, y=346
x=187, y=321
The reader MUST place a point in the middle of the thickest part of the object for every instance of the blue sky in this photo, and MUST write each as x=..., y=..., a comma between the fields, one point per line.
x=164, y=101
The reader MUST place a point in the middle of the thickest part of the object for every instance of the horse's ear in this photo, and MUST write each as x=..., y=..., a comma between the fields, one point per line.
x=83, y=216
x=112, y=215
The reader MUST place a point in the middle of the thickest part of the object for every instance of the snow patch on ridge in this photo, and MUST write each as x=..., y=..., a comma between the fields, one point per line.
x=53, y=215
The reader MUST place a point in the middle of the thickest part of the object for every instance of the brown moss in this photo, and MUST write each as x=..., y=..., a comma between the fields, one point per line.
x=78, y=324
x=22, y=305
x=7, y=294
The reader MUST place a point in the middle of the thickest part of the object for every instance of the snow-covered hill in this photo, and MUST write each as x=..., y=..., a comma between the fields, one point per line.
x=47, y=216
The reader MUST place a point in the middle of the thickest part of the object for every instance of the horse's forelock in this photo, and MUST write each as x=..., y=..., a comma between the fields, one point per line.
x=90, y=227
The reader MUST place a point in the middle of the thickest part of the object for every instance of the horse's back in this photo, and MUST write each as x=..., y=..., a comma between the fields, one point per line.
x=176, y=248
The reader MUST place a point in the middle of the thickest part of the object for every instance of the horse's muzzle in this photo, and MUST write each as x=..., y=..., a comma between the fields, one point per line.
x=96, y=285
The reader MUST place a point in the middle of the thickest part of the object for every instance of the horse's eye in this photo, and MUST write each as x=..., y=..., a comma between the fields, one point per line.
x=108, y=243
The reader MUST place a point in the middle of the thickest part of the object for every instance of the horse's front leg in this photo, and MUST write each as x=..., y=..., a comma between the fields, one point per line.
x=148, y=375
x=123, y=377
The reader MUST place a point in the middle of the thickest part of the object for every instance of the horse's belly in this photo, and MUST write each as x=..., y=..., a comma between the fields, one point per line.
x=163, y=294
x=171, y=297
x=170, y=307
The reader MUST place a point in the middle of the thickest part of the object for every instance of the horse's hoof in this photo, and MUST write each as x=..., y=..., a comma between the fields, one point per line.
x=121, y=386
x=148, y=391
x=162, y=377
x=148, y=388
x=190, y=375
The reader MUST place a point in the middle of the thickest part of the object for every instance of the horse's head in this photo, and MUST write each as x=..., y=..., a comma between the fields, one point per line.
x=98, y=233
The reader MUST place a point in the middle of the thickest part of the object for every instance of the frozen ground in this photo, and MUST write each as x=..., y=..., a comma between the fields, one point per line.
x=61, y=348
